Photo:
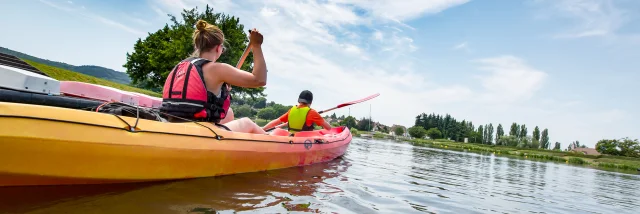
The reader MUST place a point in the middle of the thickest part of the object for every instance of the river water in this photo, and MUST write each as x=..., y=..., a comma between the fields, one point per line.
x=373, y=177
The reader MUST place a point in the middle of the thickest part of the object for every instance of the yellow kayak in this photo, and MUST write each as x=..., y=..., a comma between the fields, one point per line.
x=44, y=145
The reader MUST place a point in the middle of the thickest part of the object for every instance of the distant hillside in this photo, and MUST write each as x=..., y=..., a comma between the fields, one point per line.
x=91, y=70
x=66, y=75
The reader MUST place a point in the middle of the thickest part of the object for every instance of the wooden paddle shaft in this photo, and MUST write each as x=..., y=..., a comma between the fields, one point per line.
x=244, y=54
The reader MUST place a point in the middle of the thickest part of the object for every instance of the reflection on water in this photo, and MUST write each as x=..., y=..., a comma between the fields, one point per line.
x=374, y=176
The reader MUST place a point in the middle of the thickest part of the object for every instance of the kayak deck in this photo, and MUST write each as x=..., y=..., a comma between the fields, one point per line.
x=42, y=145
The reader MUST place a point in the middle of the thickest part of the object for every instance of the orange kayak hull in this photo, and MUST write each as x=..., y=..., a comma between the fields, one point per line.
x=42, y=145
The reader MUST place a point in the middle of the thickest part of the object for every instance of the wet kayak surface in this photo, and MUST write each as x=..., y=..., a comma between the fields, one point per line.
x=372, y=177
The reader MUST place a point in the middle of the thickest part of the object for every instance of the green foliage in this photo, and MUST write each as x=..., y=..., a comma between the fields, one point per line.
x=267, y=113
x=525, y=142
x=575, y=160
x=66, y=75
x=333, y=116
x=535, y=144
x=280, y=109
x=349, y=122
x=609, y=147
x=499, y=133
x=475, y=137
x=480, y=134
x=557, y=146
x=544, y=140
x=354, y=131
x=523, y=131
x=378, y=135
x=434, y=133
x=417, y=132
x=514, y=130
x=154, y=57
x=91, y=70
x=488, y=134
x=536, y=134
x=509, y=140
x=261, y=122
x=449, y=126
x=399, y=131
x=259, y=102
x=243, y=111
x=365, y=124
x=608, y=161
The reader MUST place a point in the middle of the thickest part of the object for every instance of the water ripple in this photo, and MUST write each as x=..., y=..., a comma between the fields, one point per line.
x=373, y=177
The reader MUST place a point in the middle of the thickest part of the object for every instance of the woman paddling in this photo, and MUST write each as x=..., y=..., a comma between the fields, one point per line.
x=198, y=87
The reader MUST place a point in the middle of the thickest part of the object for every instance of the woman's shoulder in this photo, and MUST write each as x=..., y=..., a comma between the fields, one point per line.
x=217, y=66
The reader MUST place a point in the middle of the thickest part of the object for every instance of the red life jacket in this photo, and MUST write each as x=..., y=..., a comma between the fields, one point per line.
x=185, y=94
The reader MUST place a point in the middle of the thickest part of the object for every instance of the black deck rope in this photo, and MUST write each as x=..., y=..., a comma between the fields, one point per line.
x=137, y=118
x=168, y=133
x=125, y=122
x=129, y=128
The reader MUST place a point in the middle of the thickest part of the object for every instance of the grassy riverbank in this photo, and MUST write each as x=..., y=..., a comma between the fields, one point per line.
x=66, y=75
x=601, y=161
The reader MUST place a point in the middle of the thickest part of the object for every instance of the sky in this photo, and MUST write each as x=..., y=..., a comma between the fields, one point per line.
x=570, y=66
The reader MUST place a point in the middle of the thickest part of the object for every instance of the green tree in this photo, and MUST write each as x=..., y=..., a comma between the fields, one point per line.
x=525, y=142
x=514, y=130
x=508, y=140
x=259, y=102
x=499, y=133
x=365, y=124
x=417, y=132
x=243, y=111
x=557, y=146
x=399, y=131
x=629, y=148
x=349, y=122
x=267, y=113
x=536, y=133
x=535, y=144
x=333, y=116
x=523, y=131
x=154, y=57
x=544, y=140
x=609, y=147
x=489, y=134
x=434, y=133
x=280, y=109
x=480, y=134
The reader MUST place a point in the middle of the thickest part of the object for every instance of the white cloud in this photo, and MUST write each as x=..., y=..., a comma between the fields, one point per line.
x=59, y=7
x=510, y=78
x=83, y=12
x=70, y=2
x=402, y=10
x=594, y=18
x=317, y=39
x=464, y=46
x=377, y=35
x=113, y=23
x=138, y=20
x=460, y=46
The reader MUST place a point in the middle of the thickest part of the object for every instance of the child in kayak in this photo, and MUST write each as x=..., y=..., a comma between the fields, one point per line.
x=300, y=117
x=198, y=87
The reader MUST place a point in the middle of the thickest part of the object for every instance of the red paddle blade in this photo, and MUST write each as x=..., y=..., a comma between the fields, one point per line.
x=358, y=101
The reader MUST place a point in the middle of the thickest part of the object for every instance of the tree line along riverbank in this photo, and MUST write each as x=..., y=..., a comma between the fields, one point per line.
x=603, y=161
x=625, y=164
